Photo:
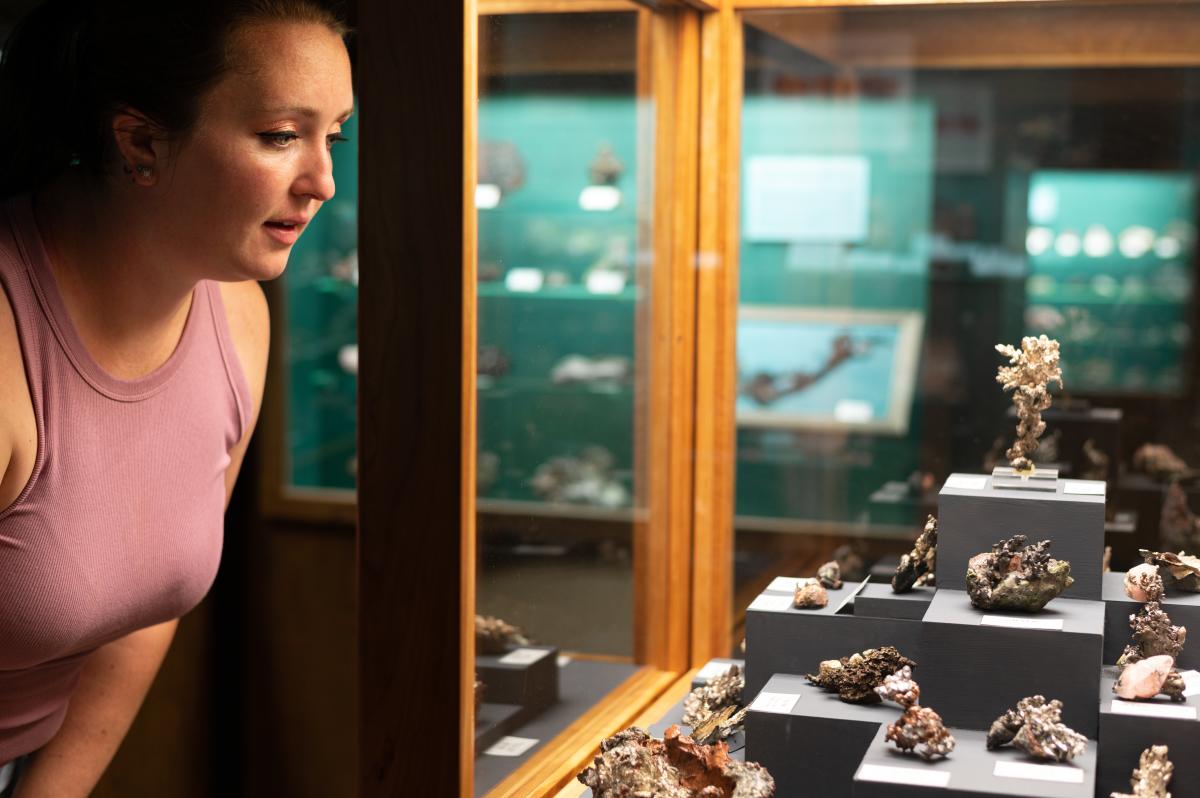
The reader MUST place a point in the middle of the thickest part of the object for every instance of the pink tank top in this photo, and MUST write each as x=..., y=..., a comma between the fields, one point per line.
x=121, y=523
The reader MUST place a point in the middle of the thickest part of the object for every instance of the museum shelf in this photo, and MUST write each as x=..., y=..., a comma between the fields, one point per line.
x=565, y=293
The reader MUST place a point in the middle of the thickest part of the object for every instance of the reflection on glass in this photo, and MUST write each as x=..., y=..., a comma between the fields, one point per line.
x=559, y=215
x=912, y=196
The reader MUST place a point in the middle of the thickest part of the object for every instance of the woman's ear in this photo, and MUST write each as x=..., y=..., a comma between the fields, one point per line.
x=140, y=145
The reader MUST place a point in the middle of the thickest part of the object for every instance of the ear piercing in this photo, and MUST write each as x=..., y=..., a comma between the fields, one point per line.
x=144, y=171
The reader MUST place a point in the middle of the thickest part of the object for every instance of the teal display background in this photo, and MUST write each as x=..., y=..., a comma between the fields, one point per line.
x=829, y=476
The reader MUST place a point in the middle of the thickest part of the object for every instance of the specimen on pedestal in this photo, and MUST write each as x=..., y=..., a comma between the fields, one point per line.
x=713, y=711
x=1153, y=635
x=855, y=677
x=1184, y=569
x=810, y=595
x=1151, y=776
x=1178, y=527
x=494, y=636
x=1143, y=583
x=1030, y=371
x=1010, y=577
x=916, y=569
x=590, y=479
x=1159, y=461
x=632, y=764
x=830, y=575
x=919, y=729
x=1035, y=726
x=1097, y=462
x=479, y=688
x=1146, y=678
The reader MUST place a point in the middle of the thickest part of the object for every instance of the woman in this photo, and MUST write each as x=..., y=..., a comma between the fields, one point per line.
x=156, y=164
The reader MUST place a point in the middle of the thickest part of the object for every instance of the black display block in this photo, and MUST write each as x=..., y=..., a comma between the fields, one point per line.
x=971, y=770
x=780, y=639
x=526, y=676
x=1184, y=609
x=972, y=670
x=1161, y=722
x=973, y=516
x=811, y=745
x=879, y=601
x=714, y=668
x=493, y=721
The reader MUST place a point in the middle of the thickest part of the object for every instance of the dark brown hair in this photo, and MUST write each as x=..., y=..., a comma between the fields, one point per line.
x=69, y=65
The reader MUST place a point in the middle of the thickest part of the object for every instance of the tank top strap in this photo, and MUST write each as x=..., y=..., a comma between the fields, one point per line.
x=234, y=373
x=33, y=329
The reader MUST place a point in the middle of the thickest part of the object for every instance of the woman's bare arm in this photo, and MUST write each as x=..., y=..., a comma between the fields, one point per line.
x=114, y=682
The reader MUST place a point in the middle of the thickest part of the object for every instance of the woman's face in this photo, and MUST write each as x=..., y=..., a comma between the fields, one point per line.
x=260, y=153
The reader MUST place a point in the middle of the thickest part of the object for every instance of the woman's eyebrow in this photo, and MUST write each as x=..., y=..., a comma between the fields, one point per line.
x=304, y=110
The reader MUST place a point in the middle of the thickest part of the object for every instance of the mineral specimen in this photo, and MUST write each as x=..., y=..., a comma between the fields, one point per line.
x=1153, y=635
x=900, y=688
x=1143, y=583
x=632, y=764
x=1097, y=462
x=1010, y=577
x=1159, y=461
x=1030, y=371
x=589, y=479
x=921, y=731
x=810, y=595
x=1184, y=569
x=1151, y=776
x=1149, y=677
x=1178, y=527
x=917, y=568
x=855, y=677
x=711, y=700
x=719, y=725
x=1035, y=726
x=494, y=636
x=830, y=575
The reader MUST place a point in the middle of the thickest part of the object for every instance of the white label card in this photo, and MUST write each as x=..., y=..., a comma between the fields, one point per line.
x=772, y=603
x=712, y=670
x=1084, y=487
x=524, y=656
x=784, y=584
x=511, y=746
x=524, y=280
x=1153, y=709
x=895, y=775
x=1045, y=624
x=1191, y=682
x=605, y=283
x=778, y=703
x=966, y=482
x=1066, y=774
x=563, y=660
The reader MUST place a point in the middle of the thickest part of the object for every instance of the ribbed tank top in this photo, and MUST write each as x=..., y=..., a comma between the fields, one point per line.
x=120, y=525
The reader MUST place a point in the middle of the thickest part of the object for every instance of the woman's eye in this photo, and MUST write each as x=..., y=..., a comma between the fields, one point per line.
x=280, y=139
x=334, y=138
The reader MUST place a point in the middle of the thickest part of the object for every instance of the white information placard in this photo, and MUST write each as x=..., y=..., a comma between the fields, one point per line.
x=1066, y=774
x=524, y=656
x=604, y=282
x=1153, y=709
x=511, y=746
x=712, y=670
x=894, y=775
x=1191, y=682
x=1084, y=487
x=524, y=280
x=813, y=198
x=778, y=703
x=784, y=584
x=965, y=482
x=772, y=603
x=1044, y=624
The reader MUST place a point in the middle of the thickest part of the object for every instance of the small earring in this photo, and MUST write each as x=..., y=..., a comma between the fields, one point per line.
x=144, y=171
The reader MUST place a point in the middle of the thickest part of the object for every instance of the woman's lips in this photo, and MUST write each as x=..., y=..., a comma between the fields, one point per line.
x=284, y=234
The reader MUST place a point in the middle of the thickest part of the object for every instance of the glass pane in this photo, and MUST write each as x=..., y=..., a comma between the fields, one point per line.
x=919, y=185
x=561, y=300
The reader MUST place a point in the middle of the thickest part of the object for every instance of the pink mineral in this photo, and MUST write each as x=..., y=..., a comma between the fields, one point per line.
x=1143, y=583
x=1144, y=678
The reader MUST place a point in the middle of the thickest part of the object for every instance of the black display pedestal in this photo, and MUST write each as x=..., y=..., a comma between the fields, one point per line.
x=973, y=516
x=493, y=721
x=810, y=740
x=526, y=676
x=879, y=601
x=780, y=639
x=1157, y=722
x=1183, y=608
x=973, y=666
x=971, y=770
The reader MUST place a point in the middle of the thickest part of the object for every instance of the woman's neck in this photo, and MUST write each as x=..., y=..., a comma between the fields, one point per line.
x=126, y=297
